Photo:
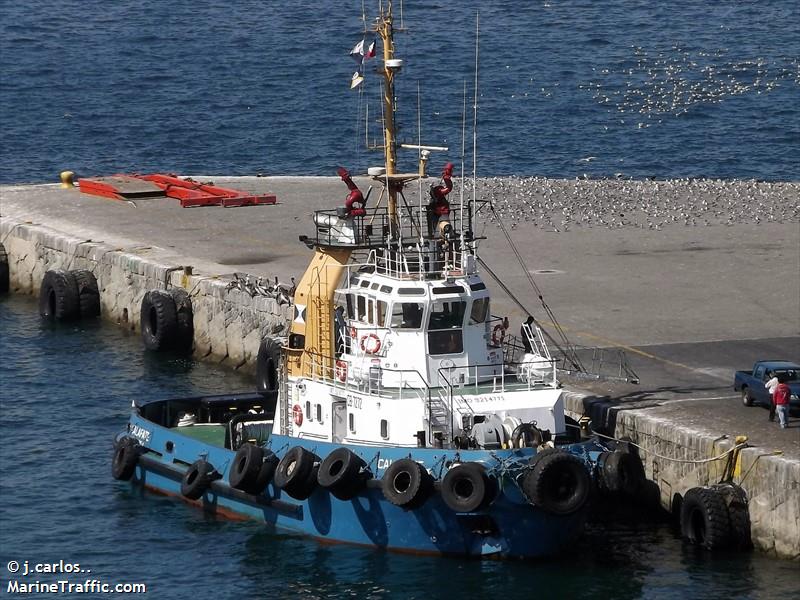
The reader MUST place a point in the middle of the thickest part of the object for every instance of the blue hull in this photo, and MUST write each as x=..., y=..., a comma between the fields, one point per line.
x=509, y=527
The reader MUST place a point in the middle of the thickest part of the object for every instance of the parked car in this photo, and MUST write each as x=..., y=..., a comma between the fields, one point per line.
x=751, y=384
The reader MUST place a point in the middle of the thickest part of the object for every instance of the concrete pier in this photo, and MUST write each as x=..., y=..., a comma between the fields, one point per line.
x=692, y=298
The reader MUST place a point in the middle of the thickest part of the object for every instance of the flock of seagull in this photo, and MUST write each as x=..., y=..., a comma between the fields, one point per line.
x=652, y=86
x=562, y=205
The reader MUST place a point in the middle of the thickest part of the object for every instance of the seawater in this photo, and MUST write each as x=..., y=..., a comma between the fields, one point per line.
x=66, y=390
x=628, y=88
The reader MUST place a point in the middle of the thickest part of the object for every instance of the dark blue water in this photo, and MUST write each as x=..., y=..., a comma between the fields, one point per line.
x=641, y=88
x=66, y=390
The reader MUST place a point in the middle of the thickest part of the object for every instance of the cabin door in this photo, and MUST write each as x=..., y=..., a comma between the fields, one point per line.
x=339, y=421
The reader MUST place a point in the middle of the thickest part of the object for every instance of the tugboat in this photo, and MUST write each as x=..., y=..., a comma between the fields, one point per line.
x=398, y=413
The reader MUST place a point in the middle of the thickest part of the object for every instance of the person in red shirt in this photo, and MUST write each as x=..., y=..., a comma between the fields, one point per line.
x=781, y=400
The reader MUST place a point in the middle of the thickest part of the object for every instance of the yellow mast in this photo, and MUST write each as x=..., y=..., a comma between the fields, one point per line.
x=386, y=31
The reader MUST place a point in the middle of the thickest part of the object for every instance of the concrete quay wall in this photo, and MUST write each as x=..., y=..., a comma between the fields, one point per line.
x=678, y=457
x=228, y=324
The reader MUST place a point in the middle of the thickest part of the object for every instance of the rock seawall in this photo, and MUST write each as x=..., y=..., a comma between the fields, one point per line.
x=228, y=324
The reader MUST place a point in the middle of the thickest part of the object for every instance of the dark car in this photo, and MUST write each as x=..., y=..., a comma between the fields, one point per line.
x=752, y=384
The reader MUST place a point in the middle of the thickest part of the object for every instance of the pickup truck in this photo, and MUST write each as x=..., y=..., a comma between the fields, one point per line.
x=751, y=383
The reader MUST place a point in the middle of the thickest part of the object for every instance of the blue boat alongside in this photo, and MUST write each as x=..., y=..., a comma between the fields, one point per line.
x=398, y=413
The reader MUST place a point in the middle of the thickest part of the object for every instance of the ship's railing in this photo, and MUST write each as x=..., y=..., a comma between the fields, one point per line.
x=410, y=382
x=419, y=245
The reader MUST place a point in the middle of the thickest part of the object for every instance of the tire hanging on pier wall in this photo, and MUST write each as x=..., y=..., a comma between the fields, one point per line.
x=4, y=276
x=269, y=355
x=58, y=296
x=716, y=518
x=88, y=294
x=167, y=321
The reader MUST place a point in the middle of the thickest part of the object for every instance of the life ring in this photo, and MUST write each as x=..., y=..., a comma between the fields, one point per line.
x=467, y=488
x=197, y=479
x=526, y=435
x=296, y=473
x=557, y=482
x=406, y=483
x=354, y=333
x=246, y=467
x=498, y=332
x=620, y=471
x=297, y=415
x=341, y=370
x=342, y=473
x=705, y=520
x=126, y=456
x=88, y=293
x=267, y=361
x=371, y=343
x=58, y=296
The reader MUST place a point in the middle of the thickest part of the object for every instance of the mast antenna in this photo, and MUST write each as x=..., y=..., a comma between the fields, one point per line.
x=472, y=214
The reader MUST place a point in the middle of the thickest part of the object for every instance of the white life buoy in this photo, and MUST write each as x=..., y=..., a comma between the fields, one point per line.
x=498, y=335
x=370, y=344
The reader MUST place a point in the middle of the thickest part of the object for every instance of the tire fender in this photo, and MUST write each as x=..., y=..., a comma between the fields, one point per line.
x=557, y=482
x=342, y=473
x=126, y=457
x=197, y=479
x=88, y=293
x=406, y=483
x=705, y=520
x=4, y=273
x=467, y=488
x=267, y=362
x=159, y=321
x=621, y=471
x=246, y=467
x=58, y=296
x=296, y=473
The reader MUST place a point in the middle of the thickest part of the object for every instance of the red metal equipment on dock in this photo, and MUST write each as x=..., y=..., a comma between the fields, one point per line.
x=189, y=192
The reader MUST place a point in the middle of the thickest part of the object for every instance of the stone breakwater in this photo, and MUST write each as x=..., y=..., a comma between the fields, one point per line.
x=564, y=205
x=228, y=324
x=678, y=456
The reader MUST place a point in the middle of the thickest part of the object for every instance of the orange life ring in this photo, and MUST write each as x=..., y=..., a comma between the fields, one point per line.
x=371, y=344
x=297, y=414
x=502, y=336
x=341, y=370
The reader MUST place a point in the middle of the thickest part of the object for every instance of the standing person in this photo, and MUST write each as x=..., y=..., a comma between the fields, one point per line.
x=771, y=384
x=524, y=331
x=780, y=399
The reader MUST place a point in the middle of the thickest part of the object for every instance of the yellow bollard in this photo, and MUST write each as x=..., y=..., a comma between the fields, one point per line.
x=66, y=179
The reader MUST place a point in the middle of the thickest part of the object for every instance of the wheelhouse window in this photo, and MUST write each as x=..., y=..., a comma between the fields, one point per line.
x=407, y=315
x=479, y=312
x=447, y=314
x=445, y=335
x=361, y=309
x=380, y=313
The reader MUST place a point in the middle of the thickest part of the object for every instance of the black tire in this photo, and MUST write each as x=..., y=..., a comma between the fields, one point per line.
x=88, y=294
x=58, y=296
x=526, y=435
x=266, y=473
x=407, y=484
x=747, y=400
x=126, y=457
x=467, y=488
x=184, y=316
x=704, y=519
x=622, y=472
x=4, y=276
x=246, y=467
x=341, y=473
x=557, y=482
x=159, y=320
x=269, y=356
x=197, y=479
x=297, y=473
x=738, y=513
